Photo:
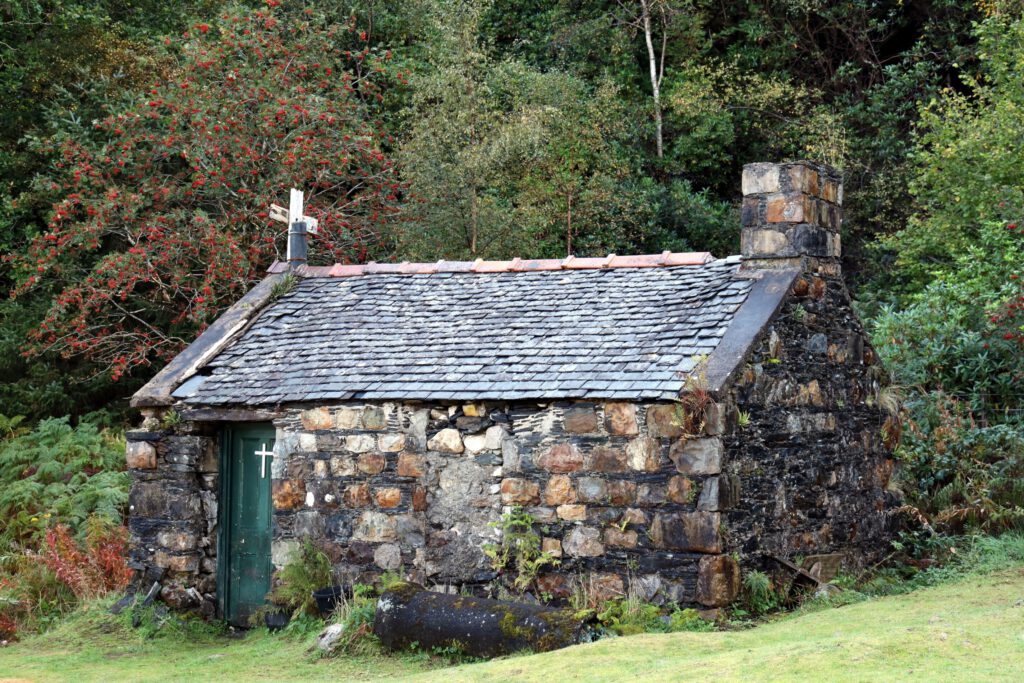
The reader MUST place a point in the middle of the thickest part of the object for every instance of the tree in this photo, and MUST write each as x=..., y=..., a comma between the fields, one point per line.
x=164, y=221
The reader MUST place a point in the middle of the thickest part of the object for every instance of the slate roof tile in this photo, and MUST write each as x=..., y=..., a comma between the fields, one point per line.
x=620, y=333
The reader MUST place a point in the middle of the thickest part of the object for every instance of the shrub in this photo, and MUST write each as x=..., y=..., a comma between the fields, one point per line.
x=59, y=473
x=518, y=557
x=95, y=569
x=960, y=475
x=308, y=570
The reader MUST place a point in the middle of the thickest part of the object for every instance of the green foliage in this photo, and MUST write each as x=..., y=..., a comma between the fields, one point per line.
x=518, y=557
x=308, y=570
x=969, y=165
x=944, y=337
x=59, y=473
x=759, y=594
x=959, y=475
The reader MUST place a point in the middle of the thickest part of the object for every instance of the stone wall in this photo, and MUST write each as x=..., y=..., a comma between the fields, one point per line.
x=173, y=512
x=809, y=459
x=615, y=490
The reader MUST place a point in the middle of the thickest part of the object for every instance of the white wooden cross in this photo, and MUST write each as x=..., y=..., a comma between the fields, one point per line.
x=293, y=214
x=264, y=454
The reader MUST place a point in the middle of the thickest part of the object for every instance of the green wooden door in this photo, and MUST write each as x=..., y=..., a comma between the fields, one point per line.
x=244, y=548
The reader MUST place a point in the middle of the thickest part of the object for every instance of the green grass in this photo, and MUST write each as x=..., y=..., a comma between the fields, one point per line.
x=966, y=628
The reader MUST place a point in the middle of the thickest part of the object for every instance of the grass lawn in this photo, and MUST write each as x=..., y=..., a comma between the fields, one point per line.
x=971, y=629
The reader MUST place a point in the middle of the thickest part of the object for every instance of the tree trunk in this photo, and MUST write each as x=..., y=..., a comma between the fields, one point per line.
x=656, y=71
x=474, y=213
x=408, y=615
x=568, y=225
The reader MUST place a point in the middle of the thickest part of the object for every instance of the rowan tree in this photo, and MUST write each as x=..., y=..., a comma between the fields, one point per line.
x=162, y=218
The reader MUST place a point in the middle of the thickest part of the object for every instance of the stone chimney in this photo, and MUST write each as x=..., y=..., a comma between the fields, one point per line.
x=791, y=216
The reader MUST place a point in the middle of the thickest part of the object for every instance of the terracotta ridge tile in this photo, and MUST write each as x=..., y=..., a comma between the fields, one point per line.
x=516, y=265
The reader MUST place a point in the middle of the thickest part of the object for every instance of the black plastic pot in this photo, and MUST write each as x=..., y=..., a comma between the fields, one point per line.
x=276, y=621
x=327, y=599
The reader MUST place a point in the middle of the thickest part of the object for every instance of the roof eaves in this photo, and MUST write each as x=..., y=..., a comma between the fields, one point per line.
x=157, y=392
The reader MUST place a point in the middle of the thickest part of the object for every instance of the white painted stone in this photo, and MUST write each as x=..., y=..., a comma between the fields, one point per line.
x=310, y=499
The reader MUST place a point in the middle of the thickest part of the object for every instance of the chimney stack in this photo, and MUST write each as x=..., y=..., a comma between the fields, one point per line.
x=791, y=215
x=298, y=244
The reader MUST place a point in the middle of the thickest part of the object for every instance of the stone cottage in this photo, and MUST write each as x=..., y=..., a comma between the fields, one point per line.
x=665, y=419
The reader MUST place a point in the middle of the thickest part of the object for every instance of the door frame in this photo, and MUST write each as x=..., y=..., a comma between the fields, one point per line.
x=225, y=504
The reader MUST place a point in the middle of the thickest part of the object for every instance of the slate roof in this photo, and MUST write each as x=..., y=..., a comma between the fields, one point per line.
x=610, y=333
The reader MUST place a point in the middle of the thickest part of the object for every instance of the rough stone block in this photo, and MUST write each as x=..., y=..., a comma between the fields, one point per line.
x=605, y=458
x=571, y=513
x=760, y=178
x=186, y=564
x=616, y=538
x=388, y=497
x=559, y=491
x=307, y=442
x=561, y=458
x=583, y=541
x=343, y=466
x=580, y=419
x=316, y=418
x=803, y=179
x=288, y=494
x=348, y=418
x=680, y=490
x=543, y=515
x=520, y=492
x=606, y=586
x=475, y=443
x=321, y=469
x=714, y=419
x=664, y=421
x=650, y=494
x=709, y=495
x=762, y=242
x=690, y=531
x=511, y=460
x=140, y=455
x=446, y=441
x=493, y=437
x=620, y=419
x=391, y=443
x=718, y=580
x=359, y=443
x=789, y=208
x=750, y=211
x=697, y=456
x=553, y=546
x=634, y=516
x=375, y=527
x=388, y=557
x=357, y=496
x=177, y=541
x=419, y=499
x=474, y=410
x=621, y=492
x=592, y=490
x=644, y=454
x=371, y=463
x=411, y=465
x=309, y=524
x=374, y=417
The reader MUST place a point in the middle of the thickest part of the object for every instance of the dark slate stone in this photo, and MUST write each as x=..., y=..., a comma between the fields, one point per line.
x=621, y=333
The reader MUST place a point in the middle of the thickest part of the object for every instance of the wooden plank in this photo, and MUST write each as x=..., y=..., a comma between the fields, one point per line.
x=229, y=415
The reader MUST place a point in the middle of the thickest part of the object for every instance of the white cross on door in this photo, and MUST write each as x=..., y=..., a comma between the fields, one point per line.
x=264, y=454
